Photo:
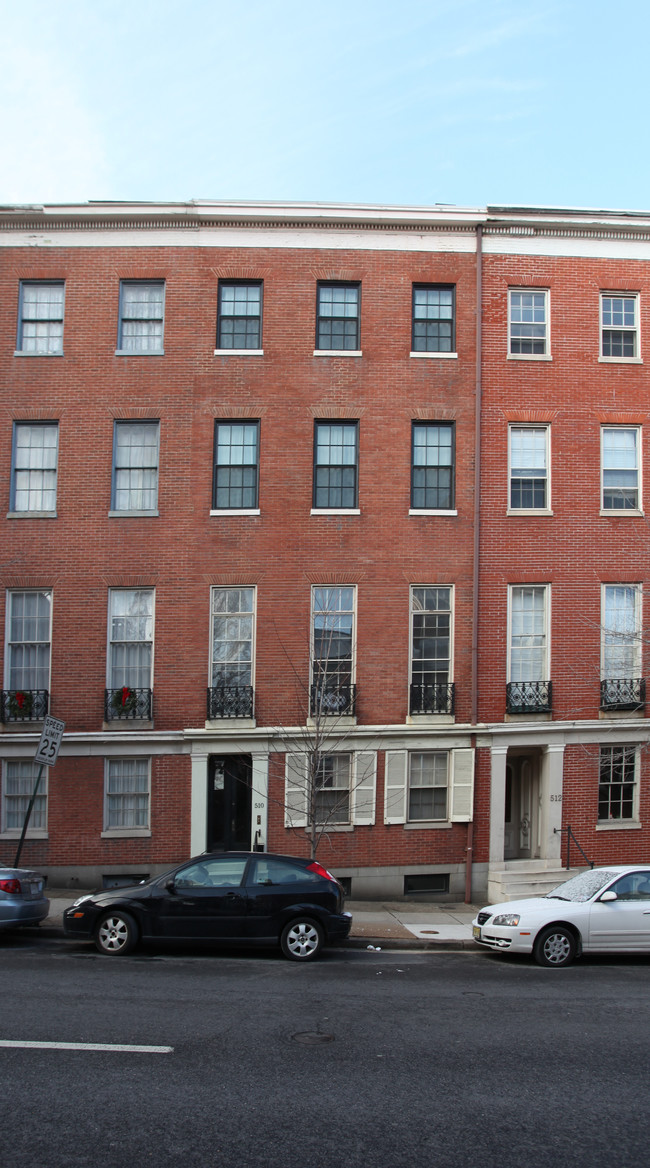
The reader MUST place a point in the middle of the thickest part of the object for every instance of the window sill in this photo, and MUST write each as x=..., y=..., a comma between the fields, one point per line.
x=630, y=513
x=25, y=353
x=337, y=721
x=429, y=511
x=31, y=727
x=126, y=833
x=527, y=511
x=239, y=352
x=431, y=353
x=237, y=511
x=32, y=515
x=637, y=714
x=14, y=833
x=428, y=825
x=328, y=827
x=128, y=725
x=132, y=514
x=430, y=720
x=230, y=724
x=529, y=357
x=620, y=360
x=542, y=716
x=619, y=825
x=338, y=353
x=335, y=511
x=139, y=352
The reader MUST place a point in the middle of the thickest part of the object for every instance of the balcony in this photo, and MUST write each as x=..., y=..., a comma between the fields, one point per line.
x=332, y=700
x=230, y=701
x=528, y=697
x=24, y=705
x=622, y=693
x=128, y=703
x=437, y=698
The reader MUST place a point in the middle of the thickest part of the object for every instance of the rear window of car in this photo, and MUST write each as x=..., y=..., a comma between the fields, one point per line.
x=267, y=871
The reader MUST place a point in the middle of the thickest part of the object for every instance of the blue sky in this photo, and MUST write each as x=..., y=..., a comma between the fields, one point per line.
x=377, y=101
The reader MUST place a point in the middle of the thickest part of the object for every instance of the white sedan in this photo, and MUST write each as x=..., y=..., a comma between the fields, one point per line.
x=604, y=910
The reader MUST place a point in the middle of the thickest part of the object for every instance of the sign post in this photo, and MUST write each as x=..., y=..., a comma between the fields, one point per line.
x=46, y=754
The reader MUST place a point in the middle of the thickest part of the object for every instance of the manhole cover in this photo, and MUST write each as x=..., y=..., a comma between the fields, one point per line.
x=308, y=1038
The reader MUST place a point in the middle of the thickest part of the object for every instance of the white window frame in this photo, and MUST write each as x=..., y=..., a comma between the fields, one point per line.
x=546, y=509
x=11, y=594
x=546, y=355
x=41, y=802
x=140, y=350
x=633, y=637
x=460, y=788
x=121, y=425
x=622, y=511
x=49, y=351
x=450, y=662
x=633, y=821
x=134, y=829
x=31, y=470
x=312, y=639
x=546, y=647
x=363, y=791
x=634, y=330
x=235, y=614
x=110, y=641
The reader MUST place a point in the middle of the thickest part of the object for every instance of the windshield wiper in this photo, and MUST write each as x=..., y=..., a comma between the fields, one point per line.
x=554, y=896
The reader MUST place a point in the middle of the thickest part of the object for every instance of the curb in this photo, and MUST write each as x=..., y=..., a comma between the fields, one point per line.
x=408, y=944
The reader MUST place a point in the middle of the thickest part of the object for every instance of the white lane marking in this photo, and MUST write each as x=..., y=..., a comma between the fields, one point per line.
x=87, y=1046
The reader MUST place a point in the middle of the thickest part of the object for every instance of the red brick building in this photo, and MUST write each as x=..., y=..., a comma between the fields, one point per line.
x=243, y=533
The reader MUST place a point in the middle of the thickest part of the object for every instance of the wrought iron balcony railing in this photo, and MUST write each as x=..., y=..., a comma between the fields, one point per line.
x=332, y=699
x=437, y=698
x=128, y=702
x=528, y=697
x=622, y=693
x=24, y=705
x=230, y=701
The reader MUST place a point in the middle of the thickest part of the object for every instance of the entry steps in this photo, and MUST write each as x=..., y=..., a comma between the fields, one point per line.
x=520, y=878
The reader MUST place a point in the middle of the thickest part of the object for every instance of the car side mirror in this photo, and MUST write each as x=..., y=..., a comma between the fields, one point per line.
x=170, y=885
x=609, y=895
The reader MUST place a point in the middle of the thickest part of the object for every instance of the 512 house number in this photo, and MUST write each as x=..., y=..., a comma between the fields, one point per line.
x=556, y=798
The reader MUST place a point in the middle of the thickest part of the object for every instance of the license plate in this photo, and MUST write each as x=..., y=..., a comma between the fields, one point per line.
x=35, y=889
x=476, y=933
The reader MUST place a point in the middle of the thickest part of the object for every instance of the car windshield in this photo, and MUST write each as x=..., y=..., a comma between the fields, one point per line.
x=582, y=887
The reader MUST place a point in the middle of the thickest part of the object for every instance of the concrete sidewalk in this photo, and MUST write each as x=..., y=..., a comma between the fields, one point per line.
x=381, y=924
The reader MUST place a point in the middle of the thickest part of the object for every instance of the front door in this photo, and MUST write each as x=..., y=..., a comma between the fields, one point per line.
x=522, y=809
x=229, y=803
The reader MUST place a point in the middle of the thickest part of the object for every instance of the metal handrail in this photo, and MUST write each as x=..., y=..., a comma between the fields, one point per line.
x=570, y=835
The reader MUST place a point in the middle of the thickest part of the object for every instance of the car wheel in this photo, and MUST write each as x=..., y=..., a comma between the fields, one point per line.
x=555, y=946
x=302, y=939
x=117, y=934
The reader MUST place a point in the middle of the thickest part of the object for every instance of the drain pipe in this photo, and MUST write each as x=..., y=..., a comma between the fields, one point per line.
x=477, y=530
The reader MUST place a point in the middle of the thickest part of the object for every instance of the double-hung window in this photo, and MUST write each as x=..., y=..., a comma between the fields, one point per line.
x=428, y=784
x=142, y=306
x=130, y=653
x=27, y=659
x=432, y=466
x=433, y=323
x=18, y=782
x=236, y=466
x=619, y=326
x=529, y=463
x=34, y=468
x=336, y=457
x=332, y=655
x=617, y=783
x=135, y=467
x=622, y=686
x=337, y=317
x=620, y=468
x=127, y=794
x=528, y=322
x=231, y=666
x=332, y=789
x=40, y=318
x=239, y=315
x=528, y=689
x=431, y=690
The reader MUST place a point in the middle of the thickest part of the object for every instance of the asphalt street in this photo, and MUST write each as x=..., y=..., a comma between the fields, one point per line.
x=362, y=1058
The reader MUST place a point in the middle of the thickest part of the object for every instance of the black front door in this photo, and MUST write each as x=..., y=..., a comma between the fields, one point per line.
x=229, y=803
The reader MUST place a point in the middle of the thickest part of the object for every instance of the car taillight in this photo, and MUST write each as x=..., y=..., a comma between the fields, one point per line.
x=320, y=871
x=9, y=885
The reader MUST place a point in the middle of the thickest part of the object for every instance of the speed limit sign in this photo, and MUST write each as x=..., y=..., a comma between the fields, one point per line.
x=48, y=747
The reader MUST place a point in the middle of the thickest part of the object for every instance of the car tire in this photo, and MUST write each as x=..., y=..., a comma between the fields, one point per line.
x=116, y=934
x=302, y=939
x=555, y=947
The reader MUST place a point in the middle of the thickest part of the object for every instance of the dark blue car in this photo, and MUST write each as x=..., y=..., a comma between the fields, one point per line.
x=242, y=898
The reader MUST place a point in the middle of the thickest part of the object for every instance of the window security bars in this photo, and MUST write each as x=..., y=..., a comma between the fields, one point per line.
x=622, y=693
x=436, y=698
x=127, y=702
x=332, y=698
x=24, y=705
x=230, y=701
x=528, y=697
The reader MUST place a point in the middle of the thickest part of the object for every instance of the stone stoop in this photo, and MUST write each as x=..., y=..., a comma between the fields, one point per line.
x=525, y=878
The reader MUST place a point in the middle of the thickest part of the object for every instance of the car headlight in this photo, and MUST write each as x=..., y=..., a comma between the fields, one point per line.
x=81, y=899
x=506, y=919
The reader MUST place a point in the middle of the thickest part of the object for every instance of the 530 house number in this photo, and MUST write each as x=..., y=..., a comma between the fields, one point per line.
x=259, y=806
x=556, y=798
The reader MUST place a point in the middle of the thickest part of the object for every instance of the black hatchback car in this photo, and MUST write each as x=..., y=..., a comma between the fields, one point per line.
x=242, y=898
